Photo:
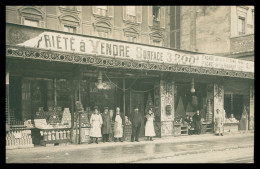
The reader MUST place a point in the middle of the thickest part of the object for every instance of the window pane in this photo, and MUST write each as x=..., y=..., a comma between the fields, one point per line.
x=241, y=25
x=178, y=17
x=70, y=29
x=178, y=40
x=30, y=22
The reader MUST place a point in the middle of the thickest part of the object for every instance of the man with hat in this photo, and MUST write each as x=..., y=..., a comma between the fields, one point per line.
x=218, y=123
x=136, y=119
x=106, y=127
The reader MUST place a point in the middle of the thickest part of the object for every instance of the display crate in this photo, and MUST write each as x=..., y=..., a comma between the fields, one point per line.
x=38, y=136
x=127, y=132
x=184, y=130
x=177, y=129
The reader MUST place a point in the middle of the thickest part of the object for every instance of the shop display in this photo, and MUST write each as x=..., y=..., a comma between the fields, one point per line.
x=84, y=120
x=180, y=111
x=209, y=114
x=54, y=117
x=66, y=118
x=28, y=124
x=42, y=124
x=18, y=139
x=40, y=114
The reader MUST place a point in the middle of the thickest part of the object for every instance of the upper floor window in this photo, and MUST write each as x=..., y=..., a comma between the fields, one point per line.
x=156, y=16
x=131, y=38
x=30, y=22
x=71, y=8
x=102, y=10
x=157, y=42
x=103, y=34
x=241, y=25
x=32, y=16
x=132, y=14
x=156, y=13
x=70, y=29
x=175, y=27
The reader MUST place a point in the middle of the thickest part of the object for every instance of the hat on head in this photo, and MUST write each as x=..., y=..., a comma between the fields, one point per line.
x=105, y=108
x=217, y=110
x=136, y=108
x=95, y=107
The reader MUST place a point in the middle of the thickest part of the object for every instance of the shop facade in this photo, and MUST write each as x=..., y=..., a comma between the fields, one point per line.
x=48, y=71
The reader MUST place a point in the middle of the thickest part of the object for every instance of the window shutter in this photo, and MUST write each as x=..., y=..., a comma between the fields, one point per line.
x=42, y=24
x=139, y=14
x=162, y=15
x=124, y=13
x=110, y=11
x=78, y=8
x=94, y=9
x=150, y=15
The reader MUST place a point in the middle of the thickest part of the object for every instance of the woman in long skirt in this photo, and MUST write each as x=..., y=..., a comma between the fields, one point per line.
x=96, y=123
x=149, y=127
x=118, y=125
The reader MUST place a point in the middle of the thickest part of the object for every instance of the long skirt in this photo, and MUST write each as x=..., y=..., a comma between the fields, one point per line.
x=149, y=129
x=95, y=130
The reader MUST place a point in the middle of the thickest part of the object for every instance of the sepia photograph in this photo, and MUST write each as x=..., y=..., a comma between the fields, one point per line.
x=129, y=84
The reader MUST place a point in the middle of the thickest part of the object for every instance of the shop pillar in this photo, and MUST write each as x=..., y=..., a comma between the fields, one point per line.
x=167, y=107
x=252, y=108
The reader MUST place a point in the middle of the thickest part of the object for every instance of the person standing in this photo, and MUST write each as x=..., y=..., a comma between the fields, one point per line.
x=197, y=122
x=118, y=125
x=191, y=126
x=136, y=119
x=149, y=127
x=218, y=123
x=106, y=127
x=96, y=123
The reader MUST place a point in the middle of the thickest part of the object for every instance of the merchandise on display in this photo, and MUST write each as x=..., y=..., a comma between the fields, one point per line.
x=85, y=120
x=66, y=118
x=40, y=114
x=19, y=138
x=54, y=117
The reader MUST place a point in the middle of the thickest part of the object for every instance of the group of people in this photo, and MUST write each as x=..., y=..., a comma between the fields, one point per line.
x=101, y=125
x=194, y=123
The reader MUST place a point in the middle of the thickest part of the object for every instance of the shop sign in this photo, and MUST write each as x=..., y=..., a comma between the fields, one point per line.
x=108, y=48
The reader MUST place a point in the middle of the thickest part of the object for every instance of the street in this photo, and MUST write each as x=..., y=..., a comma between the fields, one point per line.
x=143, y=152
x=239, y=155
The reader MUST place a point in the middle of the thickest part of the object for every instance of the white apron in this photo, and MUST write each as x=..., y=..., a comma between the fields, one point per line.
x=96, y=123
x=118, y=128
x=149, y=128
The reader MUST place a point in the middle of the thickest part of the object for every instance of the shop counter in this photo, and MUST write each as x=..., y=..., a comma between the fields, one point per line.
x=231, y=127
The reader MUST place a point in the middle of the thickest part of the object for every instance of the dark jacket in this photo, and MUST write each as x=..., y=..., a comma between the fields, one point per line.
x=197, y=121
x=106, y=126
x=136, y=119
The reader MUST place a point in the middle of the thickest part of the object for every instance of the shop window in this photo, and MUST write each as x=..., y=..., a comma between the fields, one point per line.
x=132, y=14
x=30, y=22
x=175, y=27
x=70, y=29
x=241, y=25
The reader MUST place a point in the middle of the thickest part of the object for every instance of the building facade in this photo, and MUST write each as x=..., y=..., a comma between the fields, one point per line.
x=221, y=30
x=113, y=56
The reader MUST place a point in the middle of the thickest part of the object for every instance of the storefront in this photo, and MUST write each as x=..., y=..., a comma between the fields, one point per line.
x=48, y=71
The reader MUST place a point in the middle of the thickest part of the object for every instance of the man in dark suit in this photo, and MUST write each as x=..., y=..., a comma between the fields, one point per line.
x=136, y=119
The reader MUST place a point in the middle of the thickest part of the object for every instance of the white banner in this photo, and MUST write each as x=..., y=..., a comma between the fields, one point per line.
x=109, y=48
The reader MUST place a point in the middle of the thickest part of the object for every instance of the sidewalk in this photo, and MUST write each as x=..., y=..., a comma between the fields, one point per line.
x=166, y=139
